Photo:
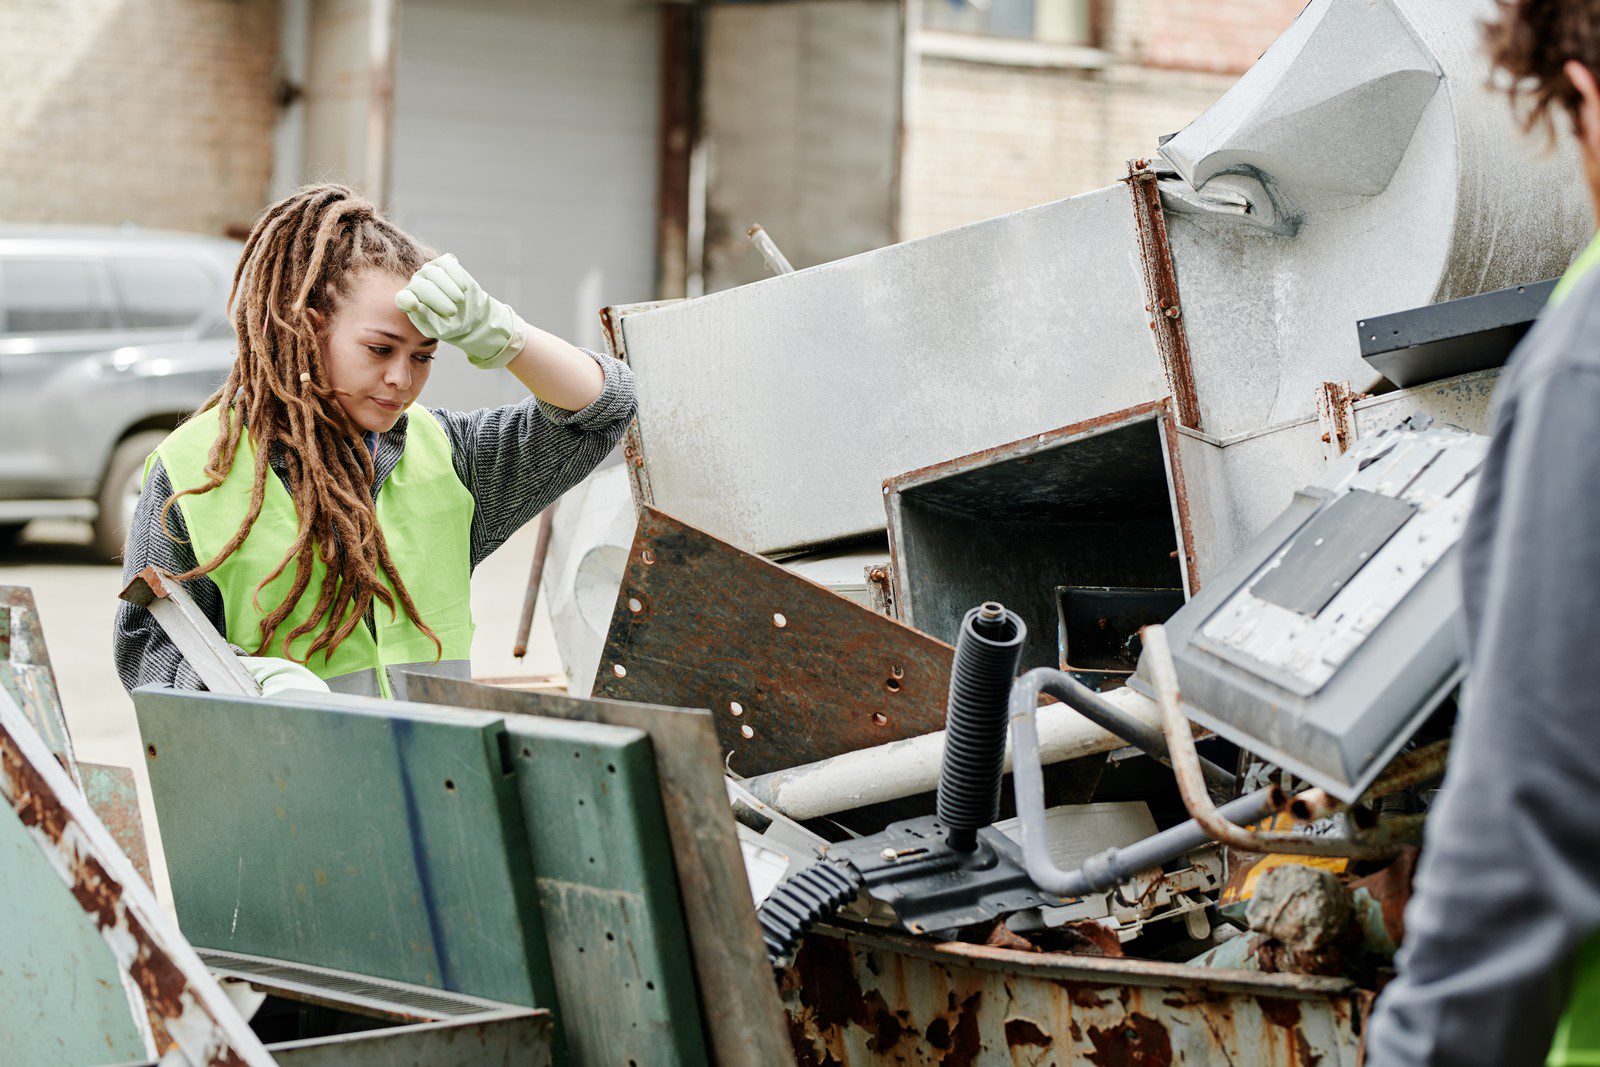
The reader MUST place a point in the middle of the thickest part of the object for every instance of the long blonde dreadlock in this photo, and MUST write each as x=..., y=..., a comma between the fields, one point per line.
x=300, y=257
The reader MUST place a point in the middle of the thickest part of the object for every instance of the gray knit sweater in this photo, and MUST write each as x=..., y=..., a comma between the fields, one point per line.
x=515, y=460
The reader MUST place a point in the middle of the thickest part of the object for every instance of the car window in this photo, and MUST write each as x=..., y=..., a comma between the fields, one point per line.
x=50, y=295
x=160, y=293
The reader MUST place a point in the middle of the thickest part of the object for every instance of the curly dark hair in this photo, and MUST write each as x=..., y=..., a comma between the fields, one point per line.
x=1532, y=40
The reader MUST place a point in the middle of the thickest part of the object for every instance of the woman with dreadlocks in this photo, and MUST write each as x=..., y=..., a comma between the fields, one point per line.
x=325, y=523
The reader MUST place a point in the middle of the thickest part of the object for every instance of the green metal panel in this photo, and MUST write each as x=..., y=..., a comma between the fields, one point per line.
x=61, y=996
x=592, y=807
x=364, y=835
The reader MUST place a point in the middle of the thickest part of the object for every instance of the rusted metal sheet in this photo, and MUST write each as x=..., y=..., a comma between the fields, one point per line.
x=1161, y=286
x=866, y=998
x=113, y=793
x=180, y=995
x=792, y=672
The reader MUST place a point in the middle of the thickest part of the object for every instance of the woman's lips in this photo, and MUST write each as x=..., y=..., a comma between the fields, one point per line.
x=387, y=405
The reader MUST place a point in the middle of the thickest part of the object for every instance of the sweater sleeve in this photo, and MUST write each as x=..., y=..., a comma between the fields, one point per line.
x=1509, y=884
x=144, y=654
x=517, y=459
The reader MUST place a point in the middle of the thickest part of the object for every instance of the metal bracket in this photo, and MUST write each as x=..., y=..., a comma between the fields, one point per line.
x=212, y=658
x=932, y=887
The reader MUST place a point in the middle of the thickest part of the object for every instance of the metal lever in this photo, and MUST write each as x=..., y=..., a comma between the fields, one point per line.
x=212, y=658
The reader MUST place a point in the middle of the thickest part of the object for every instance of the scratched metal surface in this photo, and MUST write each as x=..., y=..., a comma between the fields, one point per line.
x=869, y=999
x=25, y=671
x=347, y=837
x=792, y=672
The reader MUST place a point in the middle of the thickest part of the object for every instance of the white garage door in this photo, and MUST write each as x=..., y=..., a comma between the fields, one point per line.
x=525, y=142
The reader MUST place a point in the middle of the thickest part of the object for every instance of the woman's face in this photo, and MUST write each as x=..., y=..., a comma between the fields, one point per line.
x=376, y=359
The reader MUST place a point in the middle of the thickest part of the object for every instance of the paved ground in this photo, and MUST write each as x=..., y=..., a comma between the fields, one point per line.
x=77, y=598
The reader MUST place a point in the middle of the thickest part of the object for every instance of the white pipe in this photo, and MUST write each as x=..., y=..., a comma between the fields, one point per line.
x=906, y=768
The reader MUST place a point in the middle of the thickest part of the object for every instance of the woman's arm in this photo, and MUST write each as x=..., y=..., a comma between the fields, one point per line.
x=556, y=372
x=517, y=459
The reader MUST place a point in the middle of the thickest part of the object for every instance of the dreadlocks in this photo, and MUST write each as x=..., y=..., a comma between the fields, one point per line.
x=300, y=257
x=1531, y=42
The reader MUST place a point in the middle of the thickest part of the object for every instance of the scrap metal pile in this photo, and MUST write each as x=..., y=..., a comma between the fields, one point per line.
x=1031, y=645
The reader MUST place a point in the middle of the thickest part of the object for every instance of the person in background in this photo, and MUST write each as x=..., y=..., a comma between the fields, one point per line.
x=325, y=522
x=1500, y=964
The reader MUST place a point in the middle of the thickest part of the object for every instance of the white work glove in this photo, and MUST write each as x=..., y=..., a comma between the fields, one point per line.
x=443, y=301
x=278, y=676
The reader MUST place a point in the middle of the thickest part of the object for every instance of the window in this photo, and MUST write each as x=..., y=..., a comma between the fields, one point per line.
x=162, y=293
x=54, y=296
x=1054, y=21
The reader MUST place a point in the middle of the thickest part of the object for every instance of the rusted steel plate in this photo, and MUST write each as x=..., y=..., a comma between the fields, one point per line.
x=791, y=672
x=114, y=795
x=1161, y=286
x=866, y=998
x=182, y=998
x=739, y=1003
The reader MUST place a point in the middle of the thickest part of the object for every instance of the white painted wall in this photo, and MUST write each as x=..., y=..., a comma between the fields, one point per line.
x=525, y=142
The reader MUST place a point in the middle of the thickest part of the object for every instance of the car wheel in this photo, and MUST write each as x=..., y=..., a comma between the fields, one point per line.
x=119, y=492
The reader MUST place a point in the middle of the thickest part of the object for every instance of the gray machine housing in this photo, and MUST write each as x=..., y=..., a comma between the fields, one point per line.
x=1327, y=642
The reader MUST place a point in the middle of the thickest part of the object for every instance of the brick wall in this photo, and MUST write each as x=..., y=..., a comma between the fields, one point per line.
x=1225, y=36
x=988, y=138
x=154, y=112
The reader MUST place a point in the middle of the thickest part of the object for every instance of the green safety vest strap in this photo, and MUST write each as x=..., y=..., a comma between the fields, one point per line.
x=1587, y=260
x=1577, y=1041
x=426, y=517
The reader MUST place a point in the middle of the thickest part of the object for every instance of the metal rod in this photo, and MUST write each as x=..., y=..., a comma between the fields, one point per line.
x=777, y=262
x=1114, y=866
x=1192, y=786
x=167, y=975
x=212, y=658
x=530, y=599
x=1407, y=772
x=910, y=766
x=1106, y=715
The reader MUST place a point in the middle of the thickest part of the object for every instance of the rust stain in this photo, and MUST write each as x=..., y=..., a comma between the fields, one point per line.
x=1025, y=1032
x=1280, y=1011
x=1161, y=286
x=1083, y=994
x=1137, y=1041
x=965, y=1040
x=98, y=893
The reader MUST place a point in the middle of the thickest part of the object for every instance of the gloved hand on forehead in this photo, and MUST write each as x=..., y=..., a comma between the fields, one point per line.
x=442, y=300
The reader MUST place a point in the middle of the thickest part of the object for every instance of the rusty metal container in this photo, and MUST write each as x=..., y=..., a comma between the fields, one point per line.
x=855, y=998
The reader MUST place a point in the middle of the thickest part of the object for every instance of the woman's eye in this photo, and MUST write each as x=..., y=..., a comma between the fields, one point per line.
x=378, y=350
x=423, y=357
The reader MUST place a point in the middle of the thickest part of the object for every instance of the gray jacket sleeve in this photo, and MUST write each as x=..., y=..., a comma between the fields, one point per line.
x=1509, y=884
x=517, y=459
x=143, y=652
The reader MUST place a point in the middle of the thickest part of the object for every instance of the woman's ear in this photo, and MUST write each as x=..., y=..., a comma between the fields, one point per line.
x=319, y=321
